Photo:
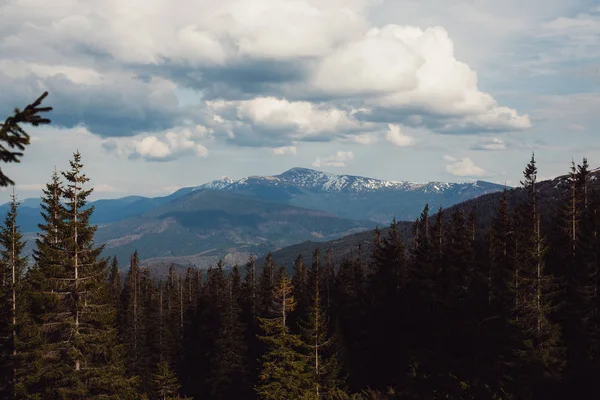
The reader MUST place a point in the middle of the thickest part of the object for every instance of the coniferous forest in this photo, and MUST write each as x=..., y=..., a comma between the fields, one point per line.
x=451, y=312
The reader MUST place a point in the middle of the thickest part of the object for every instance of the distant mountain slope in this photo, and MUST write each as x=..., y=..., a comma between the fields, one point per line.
x=353, y=197
x=210, y=223
x=550, y=194
x=105, y=210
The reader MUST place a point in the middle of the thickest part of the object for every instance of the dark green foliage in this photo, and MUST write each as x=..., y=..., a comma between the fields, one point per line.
x=320, y=343
x=12, y=302
x=71, y=307
x=284, y=373
x=13, y=135
x=164, y=383
x=478, y=301
x=228, y=374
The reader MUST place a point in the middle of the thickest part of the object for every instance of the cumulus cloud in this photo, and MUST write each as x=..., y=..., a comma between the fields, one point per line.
x=264, y=81
x=463, y=167
x=339, y=159
x=398, y=138
x=490, y=144
x=365, y=138
x=161, y=147
x=285, y=150
x=421, y=76
x=274, y=121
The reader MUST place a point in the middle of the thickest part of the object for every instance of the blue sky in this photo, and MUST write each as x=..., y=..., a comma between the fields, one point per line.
x=157, y=94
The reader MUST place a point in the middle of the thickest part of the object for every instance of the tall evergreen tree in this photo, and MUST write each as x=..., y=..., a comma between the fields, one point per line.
x=284, y=372
x=80, y=352
x=115, y=283
x=320, y=343
x=12, y=303
x=539, y=354
x=228, y=361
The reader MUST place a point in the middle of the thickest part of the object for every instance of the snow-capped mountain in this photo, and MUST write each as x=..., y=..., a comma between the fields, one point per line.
x=318, y=181
x=350, y=196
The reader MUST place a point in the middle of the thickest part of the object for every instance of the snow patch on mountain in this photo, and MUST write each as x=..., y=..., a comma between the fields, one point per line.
x=318, y=181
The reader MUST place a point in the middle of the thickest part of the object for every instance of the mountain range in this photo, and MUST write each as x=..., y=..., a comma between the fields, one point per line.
x=232, y=219
x=550, y=194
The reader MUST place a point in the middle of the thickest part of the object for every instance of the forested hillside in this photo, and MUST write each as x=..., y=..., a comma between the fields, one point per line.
x=454, y=312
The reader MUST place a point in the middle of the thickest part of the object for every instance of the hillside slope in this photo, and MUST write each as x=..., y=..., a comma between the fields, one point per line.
x=214, y=224
x=353, y=197
x=550, y=193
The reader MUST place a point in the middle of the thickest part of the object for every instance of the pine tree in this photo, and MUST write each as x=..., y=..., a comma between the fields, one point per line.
x=12, y=267
x=284, y=372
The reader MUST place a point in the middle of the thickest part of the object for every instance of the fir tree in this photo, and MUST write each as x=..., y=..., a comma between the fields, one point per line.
x=228, y=361
x=12, y=267
x=115, y=285
x=284, y=372
x=13, y=135
x=165, y=385
x=77, y=321
x=539, y=354
x=266, y=284
x=319, y=343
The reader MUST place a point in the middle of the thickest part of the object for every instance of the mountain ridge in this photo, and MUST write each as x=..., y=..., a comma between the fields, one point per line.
x=348, y=196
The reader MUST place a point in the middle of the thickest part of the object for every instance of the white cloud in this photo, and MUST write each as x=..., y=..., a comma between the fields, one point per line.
x=490, y=144
x=463, y=167
x=339, y=159
x=168, y=146
x=405, y=68
x=280, y=151
x=398, y=138
x=276, y=121
x=245, y=51
x=365, y=139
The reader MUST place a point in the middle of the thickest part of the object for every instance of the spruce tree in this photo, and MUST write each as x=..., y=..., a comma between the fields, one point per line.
x=300, y=283
x=228, y=361
x=13, y=135
x=43, y=311
x=165, y=385
x=12, y=303
x=539, y=353
x=134, y=329
x=115, y=283
x=319, y=342
x=77, y=320
x=284, y=372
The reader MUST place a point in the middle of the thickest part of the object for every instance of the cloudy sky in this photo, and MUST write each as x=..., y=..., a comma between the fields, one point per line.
x=159, y=94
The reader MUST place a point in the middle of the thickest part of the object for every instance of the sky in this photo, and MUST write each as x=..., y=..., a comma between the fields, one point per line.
x=163, y=94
